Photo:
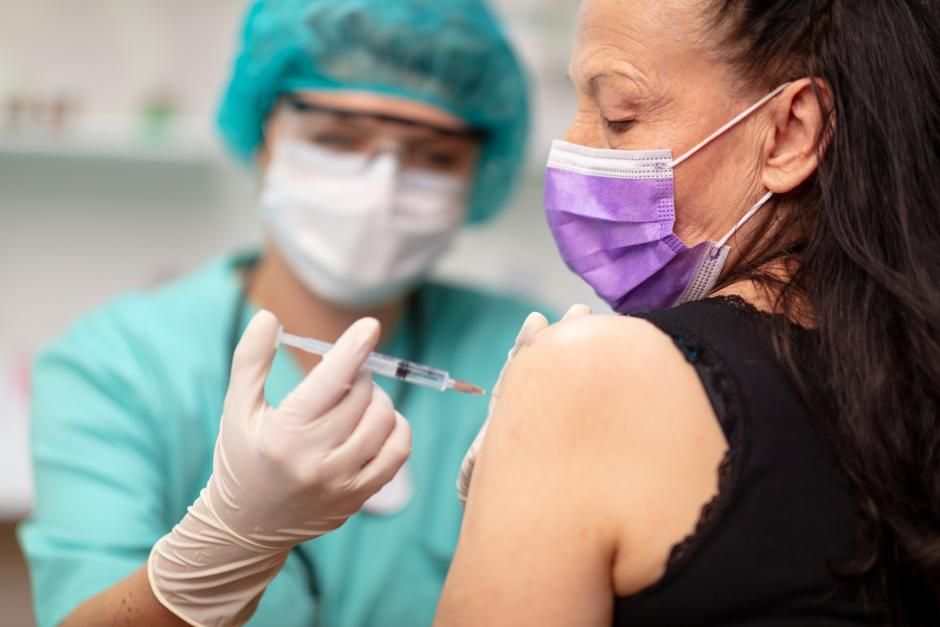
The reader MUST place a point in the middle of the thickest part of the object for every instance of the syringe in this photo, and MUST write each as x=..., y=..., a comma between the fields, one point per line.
x=386, y=366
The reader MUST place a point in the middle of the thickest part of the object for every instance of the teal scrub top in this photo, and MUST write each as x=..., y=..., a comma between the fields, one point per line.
x=125, y=414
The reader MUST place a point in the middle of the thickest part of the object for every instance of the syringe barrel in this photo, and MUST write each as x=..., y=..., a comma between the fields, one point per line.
x=378, y=363
x=408, y=371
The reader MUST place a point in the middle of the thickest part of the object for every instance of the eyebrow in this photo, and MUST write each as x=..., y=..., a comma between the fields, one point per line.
x=600, y=69
x=631, y=76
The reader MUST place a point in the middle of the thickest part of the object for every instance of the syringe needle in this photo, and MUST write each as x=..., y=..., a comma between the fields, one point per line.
x=468, y=388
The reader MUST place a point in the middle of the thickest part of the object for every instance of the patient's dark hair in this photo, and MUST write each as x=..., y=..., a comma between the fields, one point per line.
x=865, y=235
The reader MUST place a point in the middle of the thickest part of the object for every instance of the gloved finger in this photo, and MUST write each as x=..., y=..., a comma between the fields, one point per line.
x=468, y=463
x=463, y=479
x=332, y=378
x=536, y=323
x=577, y=310
x=331, y=429
x=533, y=325
x=367, y=438
x=395, y=451
x=253, y=356
x=470, y=456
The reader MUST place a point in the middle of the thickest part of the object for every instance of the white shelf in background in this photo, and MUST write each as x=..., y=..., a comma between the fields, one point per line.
x=116, y=138
x=109, y=150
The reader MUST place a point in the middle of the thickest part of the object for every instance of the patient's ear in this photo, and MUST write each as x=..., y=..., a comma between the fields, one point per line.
x=798, y=119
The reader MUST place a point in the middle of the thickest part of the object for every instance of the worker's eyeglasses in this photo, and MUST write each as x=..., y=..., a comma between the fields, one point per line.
x=420, y=145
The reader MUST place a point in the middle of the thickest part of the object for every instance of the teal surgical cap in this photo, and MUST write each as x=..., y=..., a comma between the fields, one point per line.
x=448, y=53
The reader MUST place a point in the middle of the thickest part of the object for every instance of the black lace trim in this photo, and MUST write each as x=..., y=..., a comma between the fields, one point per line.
x=740, y=305
x=729, y=406
x=682, y=548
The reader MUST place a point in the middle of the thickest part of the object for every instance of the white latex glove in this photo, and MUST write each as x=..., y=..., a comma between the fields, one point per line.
x=534, y=324
x=280, y=476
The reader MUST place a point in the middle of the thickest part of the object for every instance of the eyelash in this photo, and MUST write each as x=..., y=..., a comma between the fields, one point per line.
x=619, y=126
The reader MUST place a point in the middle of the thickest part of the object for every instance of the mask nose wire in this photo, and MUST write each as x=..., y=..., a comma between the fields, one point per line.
x=731, y=124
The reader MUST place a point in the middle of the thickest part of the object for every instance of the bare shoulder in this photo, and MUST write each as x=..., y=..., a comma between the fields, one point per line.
x=607, y=383
x=616, y=400
x=601, y=363
x=539, y=534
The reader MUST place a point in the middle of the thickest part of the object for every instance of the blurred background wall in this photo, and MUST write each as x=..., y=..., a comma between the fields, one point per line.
x=111, y=179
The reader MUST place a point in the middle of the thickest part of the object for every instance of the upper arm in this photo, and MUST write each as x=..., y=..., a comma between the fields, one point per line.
x=594, y=452
x=99, y=480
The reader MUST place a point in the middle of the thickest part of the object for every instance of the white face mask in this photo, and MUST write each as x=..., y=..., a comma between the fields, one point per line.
x=358, y=229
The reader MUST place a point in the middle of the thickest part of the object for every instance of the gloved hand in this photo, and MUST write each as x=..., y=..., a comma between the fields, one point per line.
x=534, y=324
x=280, y=475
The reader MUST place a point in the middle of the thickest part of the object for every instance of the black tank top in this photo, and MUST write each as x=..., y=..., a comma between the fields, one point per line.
x=768, y=549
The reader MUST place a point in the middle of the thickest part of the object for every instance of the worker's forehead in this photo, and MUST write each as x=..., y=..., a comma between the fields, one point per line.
x=375, y=103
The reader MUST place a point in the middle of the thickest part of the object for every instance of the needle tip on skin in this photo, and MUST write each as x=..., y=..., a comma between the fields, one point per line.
x=468, y=388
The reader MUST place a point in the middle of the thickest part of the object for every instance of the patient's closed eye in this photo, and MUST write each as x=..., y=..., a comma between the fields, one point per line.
x=619, y=126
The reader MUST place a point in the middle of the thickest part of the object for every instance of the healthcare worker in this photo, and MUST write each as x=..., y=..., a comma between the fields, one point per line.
x=378, y=129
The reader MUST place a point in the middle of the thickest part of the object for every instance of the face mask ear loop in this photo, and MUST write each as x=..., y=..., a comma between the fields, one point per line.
x=734, y=122
x=747, y=216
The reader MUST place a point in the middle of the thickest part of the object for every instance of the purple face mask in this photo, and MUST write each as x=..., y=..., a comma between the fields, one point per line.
x=612, y=213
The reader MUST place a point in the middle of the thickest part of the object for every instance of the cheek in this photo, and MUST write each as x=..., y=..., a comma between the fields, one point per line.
x=468, y=164
x=272, y=133
x=691, y=188
x=476, y=152
x=709, y=192
x=468, y=169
